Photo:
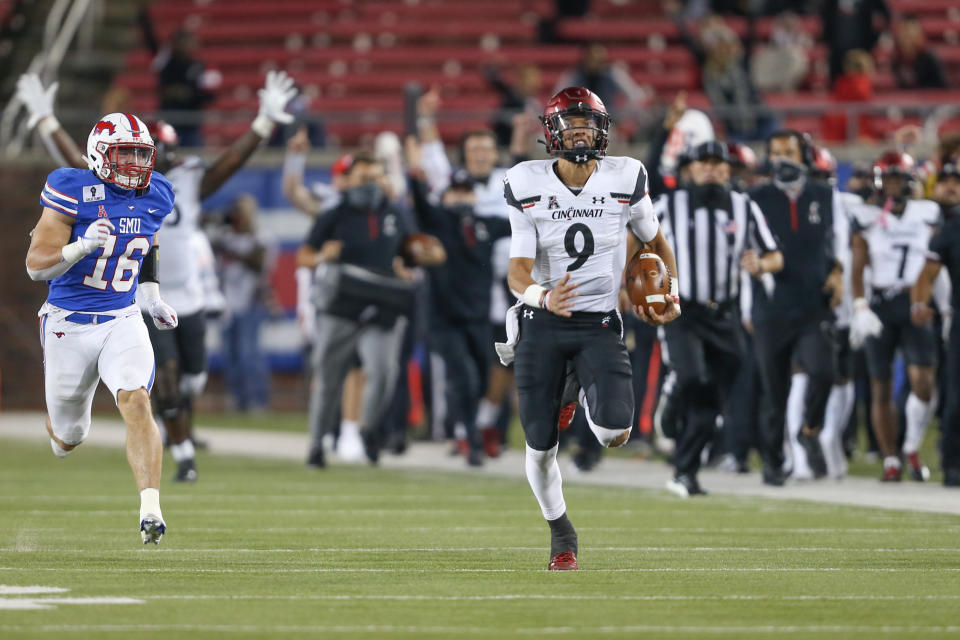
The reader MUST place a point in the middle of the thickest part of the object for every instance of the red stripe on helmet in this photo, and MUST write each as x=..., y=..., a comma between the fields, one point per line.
x=133, y=124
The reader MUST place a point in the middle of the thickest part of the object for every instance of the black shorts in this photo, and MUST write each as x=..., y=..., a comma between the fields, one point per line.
x=185, y=345
x=593, y=343
x=917, y=344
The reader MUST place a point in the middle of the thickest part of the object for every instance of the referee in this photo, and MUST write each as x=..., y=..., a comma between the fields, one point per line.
x=715, y=232
x=792, y=318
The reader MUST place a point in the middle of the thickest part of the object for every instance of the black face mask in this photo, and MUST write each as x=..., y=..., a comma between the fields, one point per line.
x=787, y=172
x=365, y=198
x=710, y=194
x=460, y=210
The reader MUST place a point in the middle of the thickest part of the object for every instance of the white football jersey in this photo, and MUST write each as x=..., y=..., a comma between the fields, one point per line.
x=583, y=234
x=844, y=205
x=897, y=244
x=180, y=282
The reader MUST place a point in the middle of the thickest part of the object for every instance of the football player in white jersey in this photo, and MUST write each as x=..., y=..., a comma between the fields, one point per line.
x=180, y=354
x=95, y=245
x=893, y=239
x=570, y=220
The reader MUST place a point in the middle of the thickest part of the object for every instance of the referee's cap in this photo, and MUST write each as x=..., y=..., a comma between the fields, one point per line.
x=712, y=149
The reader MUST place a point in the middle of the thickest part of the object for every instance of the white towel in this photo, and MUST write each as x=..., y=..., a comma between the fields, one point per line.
x=505, y=349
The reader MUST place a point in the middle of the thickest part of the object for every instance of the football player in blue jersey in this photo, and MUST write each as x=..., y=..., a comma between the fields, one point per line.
x=95, y=244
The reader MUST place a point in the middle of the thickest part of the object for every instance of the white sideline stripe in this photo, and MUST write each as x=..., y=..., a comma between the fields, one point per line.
x=17, y=590
x=487, y=631
x=654, y=598
x=479, y=549
x=33, y=604
x=187, y=570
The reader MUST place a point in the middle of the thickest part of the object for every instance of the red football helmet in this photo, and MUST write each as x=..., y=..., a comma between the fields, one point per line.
x=580, y=102
x=824, y=164
x=895, y=163
x=741, y=155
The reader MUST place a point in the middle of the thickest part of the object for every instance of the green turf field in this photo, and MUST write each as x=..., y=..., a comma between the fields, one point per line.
x=269, y=549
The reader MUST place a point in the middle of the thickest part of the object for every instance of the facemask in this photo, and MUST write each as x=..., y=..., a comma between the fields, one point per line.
x=711, y=194
x=787, y=172
x=460, y=210
x=365, y=198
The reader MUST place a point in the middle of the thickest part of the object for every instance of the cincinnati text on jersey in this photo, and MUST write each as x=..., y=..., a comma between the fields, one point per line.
x=571, y=213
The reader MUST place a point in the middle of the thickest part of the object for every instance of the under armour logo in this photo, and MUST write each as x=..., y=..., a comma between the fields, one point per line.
x=59, y=334
x=527, y=314
x=599, y=199
x=553, y=204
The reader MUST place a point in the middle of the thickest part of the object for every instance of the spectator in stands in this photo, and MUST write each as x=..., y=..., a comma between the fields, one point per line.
x=184, y=84
x=562, y=9
x=611, y=82
x=915, y=66
x=855, y=85
x=849, y=25
x=724, y=62
x=517, y=97
x=782, y=65
x=243, y=260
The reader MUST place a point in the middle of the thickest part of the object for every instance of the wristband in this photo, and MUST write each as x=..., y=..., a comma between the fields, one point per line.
x=534, y=296
x=48, y=125
x=294, y=164
x=262, y=126
x=149, y=292
x=73, y=252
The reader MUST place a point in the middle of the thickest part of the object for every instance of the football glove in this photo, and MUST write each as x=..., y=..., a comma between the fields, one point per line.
x=96, y=234
x=864, y=323
x=274, y=96
x=164, y=317
x=37, y=100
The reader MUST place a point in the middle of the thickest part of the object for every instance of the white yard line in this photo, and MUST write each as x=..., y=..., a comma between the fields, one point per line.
x=269, y=571
x=615, y=472
x=613, y=549
x=579, y=597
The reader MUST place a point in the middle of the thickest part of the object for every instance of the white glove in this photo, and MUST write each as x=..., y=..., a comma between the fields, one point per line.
x=164, y=317
x=276, y=93
x=96, y=234
x=37, y=100
x=864, y=323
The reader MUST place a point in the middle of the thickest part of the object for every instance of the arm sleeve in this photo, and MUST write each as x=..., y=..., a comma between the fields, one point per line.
x=150, y=266
x=760, y=237
x=942, y=290
x=523, y=240
x=436, y=165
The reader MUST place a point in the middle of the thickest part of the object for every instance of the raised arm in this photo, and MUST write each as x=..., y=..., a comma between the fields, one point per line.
x=274, y=96
x=39, y=102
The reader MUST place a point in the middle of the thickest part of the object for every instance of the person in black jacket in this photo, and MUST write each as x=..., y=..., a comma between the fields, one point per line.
x=792, y=314
x=460, y=297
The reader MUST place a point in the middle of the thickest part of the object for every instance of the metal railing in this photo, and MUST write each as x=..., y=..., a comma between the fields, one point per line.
x=62, y=25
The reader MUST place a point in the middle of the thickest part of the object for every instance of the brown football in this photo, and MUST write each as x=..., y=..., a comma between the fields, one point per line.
x=648, y=282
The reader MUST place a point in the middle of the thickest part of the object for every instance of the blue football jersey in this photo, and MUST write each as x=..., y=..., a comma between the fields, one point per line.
x=106, y=278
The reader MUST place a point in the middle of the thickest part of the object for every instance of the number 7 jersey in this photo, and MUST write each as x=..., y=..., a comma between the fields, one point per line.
x=897, y=244
x=106, y=278
x=583, y=234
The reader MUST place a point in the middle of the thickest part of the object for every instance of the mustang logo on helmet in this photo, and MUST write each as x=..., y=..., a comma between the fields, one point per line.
x=104, y=125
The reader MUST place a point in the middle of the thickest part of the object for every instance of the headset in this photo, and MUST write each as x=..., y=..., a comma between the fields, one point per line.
x=807, y=153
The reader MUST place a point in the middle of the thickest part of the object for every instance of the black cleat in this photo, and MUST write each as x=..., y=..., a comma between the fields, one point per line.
x=186, y=471
x=685, y=485
x=773, y=477
x=316, y=458
x=475, y=457
x=372, y=443
x=951, y=477
x=815, y=458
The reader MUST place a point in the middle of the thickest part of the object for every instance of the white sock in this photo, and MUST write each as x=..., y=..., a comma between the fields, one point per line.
x=543, y=474
x=918, y=416
x=150, y=503
x=891, y=462
x=183, y=451
x=58, y=451
x=794, y=420
x=349, y=425
x=834, y=419
x=486, y=414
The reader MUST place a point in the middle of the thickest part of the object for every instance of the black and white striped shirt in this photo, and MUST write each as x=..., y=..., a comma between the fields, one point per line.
x=708, y=243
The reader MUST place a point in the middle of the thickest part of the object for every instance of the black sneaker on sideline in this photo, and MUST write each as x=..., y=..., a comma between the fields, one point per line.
x=316, y=459
x=685, y=485
x=372, y=443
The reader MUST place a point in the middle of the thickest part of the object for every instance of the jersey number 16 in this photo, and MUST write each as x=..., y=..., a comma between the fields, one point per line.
x=126, y=269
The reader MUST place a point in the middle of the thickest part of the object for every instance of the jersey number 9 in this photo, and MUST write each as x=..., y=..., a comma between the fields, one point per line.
x=570, y=244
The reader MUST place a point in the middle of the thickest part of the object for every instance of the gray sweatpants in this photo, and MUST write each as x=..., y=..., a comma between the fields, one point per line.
x=338, y=339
